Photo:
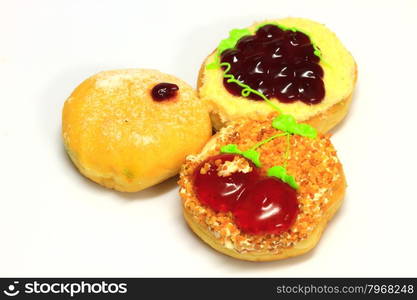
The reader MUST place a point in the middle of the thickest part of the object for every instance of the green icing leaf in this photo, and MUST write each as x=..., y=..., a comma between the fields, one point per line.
x=284, y=122
x=288, y=124
x=230, y=148
x=253, y=155
x=291, y=181
x=230, y=42
x=213, y=65
x=306, y=130
x=281, y=173
x=250, y=154
x=225, y=44
x=277, y=171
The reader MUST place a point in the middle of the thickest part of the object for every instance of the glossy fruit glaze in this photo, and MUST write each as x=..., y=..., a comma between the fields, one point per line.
x=222, y=193
x=260, y=205
x=279, y=63
x=269, y=207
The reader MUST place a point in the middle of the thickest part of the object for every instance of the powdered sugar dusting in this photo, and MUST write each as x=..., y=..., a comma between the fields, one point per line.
x=110, y=82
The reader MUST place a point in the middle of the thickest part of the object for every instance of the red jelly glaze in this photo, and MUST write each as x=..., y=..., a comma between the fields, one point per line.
x=280, y=64
x=164, y=91
x=222, y=193
x=269, y=207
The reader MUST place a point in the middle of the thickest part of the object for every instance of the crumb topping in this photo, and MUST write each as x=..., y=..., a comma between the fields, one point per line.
x=205, y=169
x=227, y=168
x=313, y=163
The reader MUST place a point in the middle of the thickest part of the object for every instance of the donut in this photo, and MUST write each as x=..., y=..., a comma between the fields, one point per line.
x=296, y=65
x=262, y=189
x=130, y=129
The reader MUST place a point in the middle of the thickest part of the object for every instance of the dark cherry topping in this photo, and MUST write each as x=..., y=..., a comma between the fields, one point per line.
x=269, y=207
x=221, y=193
x=164, y=91
x=280, y=64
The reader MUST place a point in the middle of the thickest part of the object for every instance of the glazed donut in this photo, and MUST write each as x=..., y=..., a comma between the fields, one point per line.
x=130, y=129
x=298, y=64
x=260, y=193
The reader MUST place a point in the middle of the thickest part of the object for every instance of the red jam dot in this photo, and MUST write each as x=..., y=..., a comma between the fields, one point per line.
x=269, y=207
x=164, y=91
x=277, y=63
x=221, y=193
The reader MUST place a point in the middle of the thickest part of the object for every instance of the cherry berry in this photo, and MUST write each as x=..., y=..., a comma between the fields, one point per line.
x=269, y=207
x=219, y=191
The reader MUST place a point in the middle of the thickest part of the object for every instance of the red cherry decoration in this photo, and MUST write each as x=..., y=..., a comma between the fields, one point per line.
x=269, y=207
x=218, y=192
x=260, y=205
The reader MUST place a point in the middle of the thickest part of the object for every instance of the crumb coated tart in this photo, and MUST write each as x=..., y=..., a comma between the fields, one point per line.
x=259, y=192
x=298, y=64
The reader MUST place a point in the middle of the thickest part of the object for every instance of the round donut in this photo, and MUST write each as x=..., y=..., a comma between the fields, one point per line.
x=236, y=225
x=312, y=80
x=131, y=129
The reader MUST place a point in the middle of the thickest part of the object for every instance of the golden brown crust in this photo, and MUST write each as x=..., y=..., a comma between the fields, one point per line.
x=301, y=248
x=316, y=168
x=329, y=118
x=119, y=137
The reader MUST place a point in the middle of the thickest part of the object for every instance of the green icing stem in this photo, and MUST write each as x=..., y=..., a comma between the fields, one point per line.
x=246, y=88
x=287, y=152
x=288, y=124
x=279, y=172
x=282, y=122
x=250, y=154
x=268, y=140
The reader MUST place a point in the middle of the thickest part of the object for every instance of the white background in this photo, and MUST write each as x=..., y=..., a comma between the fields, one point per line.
x=54, y=222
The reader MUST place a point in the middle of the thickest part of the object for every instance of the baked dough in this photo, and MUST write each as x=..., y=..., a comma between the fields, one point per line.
x=119, y=137
x=340, y=73
x=316, y=168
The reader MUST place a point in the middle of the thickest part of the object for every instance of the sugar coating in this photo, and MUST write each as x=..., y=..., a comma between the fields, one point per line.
x=119, y=136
